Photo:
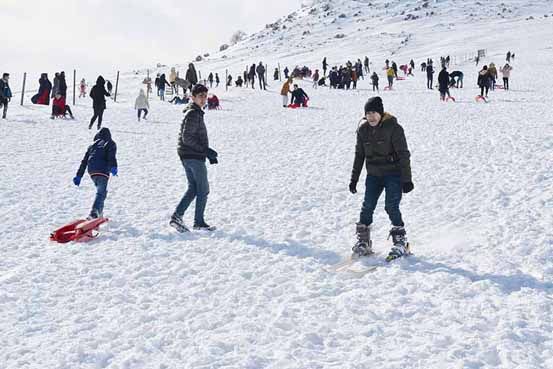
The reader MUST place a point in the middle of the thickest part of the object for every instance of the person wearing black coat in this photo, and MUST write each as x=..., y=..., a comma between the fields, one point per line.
x=62, y=85
x=251, y=76
x=43, y=95
x=299, y=97
x=98, y=94
x=100, y=158
x=191, y=75
x=443, y=83
x=429, y=76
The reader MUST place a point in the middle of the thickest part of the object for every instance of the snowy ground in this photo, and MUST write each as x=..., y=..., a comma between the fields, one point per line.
x=477, y=293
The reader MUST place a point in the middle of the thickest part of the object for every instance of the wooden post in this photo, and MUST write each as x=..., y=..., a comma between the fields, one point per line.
x=200, y=76
x=74, y=84
x=226, y=79
x=147, y=79
x=116, y=87
x=23, y=89
x=279, y=74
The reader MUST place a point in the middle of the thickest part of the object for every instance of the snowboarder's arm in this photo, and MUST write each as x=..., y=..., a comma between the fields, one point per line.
x=84, y=163
x=359, y=159
x=399, y=144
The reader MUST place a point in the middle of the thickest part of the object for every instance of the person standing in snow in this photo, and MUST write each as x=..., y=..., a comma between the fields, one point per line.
x=484, y=81
x=325, y=66
x=506, y=72
x=390, y=73
x=43, y=95
x=381, y=145
x=161, y=87
x=429, y=76
x=62, y=89
x=193, y=150
x=508, y=58
x=394, y=67
x=374, y=80
x=191, y=75
x=100, y=158
x=82, y=88
x=251, y=76
x=156, y=83
x=261, y=76
x=492, y=71
x=284, y=91
x=366, y=65
x=276, y=75
x=287, y=72
x=210, y=80
x=315, y=78
x=109, y=87
x=5, y=94
x=55, y=85
x=98, y=94
x=443, y=82
x=172, y=79
x=217, y=80
x=141, y=104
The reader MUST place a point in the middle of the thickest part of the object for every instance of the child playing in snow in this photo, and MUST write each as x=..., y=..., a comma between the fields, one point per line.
x=82, y=88
x=100, y=158
x=382, y=147
x=141, y=104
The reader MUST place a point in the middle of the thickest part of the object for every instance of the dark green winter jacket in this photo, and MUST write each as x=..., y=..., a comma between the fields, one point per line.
x=383, y=149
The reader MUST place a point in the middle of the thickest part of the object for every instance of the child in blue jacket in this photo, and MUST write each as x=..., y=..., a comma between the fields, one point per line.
x=100, y=158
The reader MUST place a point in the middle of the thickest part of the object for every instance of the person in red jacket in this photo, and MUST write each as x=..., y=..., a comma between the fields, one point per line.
x=59, y=107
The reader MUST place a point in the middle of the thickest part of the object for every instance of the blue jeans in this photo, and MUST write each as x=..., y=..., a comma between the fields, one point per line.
x=101, y=184
x=373, y=189
x=198, y=188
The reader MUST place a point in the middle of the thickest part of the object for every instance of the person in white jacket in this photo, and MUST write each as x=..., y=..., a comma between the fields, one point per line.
x=172, y=79
x=141, y=104
x=506, y=71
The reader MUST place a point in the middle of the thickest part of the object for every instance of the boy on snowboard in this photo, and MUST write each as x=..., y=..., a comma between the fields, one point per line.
x=101, y=161
x=382, y=146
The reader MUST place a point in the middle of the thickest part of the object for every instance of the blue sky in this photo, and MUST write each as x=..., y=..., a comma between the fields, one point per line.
x=102, y=35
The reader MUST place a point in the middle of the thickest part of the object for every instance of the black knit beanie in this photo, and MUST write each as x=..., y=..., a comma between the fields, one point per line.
x=374, y=104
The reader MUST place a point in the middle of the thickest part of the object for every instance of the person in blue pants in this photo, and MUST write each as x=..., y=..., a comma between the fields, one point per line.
x=381, y=145
x=100, y=158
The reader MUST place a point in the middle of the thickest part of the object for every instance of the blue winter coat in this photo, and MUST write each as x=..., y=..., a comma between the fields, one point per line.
x=100, y=156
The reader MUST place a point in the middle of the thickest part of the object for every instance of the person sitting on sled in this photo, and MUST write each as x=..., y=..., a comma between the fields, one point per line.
x=382, y=147
x=100, y=158
x=299, y=97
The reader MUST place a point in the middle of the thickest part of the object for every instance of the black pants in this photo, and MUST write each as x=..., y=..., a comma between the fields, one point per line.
x=375, y=86
x=506, y=82
x=429, y=82
x=98, y=113
x=145, y=112
x=4, y=103
x=482, y=88
x=261, y=78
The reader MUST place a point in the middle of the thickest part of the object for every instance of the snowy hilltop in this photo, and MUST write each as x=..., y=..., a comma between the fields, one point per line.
x=266, y=289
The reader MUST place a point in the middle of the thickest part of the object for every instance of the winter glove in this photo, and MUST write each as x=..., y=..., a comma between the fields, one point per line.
x=212, y=156
x=353, y=187
x=114, y=171
x=407, y=187
x=77, y=181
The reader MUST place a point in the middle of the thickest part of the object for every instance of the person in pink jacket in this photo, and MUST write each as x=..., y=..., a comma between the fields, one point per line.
x=506, y=72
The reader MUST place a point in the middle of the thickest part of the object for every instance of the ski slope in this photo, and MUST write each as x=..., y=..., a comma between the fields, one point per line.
x=256, y=293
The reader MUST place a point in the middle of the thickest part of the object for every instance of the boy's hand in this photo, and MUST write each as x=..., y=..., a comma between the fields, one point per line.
x=77, y=181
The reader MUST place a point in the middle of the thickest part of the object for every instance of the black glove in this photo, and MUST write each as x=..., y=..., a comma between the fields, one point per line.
x=353, y=187
x=407, y=187
x=212, y=156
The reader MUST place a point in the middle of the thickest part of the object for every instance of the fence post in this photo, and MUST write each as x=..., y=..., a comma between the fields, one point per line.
x=226, y=79
x=23, y=88
x=279, y=74
x=147, y=80
x=116, y=87
x=74, y=83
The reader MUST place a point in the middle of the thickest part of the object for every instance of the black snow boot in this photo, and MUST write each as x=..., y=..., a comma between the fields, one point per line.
x=177, y=223
x=363, y=246
x=401, y=246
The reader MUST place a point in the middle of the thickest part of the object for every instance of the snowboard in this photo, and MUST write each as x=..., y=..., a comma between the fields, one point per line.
x=370, y=263
x=80, y=230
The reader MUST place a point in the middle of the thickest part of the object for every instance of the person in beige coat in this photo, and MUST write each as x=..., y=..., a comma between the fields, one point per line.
x=141, y=104
x=285, y=91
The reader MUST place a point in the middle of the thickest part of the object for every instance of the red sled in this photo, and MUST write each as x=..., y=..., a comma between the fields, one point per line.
x=450, y=98
x=480, y=98
x=387, y=88
x=400, y=78
x=500, y=87
x=80, y=230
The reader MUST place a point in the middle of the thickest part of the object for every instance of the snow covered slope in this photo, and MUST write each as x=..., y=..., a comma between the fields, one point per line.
x=477, y=293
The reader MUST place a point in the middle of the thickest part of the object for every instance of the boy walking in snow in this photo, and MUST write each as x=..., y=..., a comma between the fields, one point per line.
x=382, y=147
x=100, y=158
x=141, y=104
x=193, y=150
